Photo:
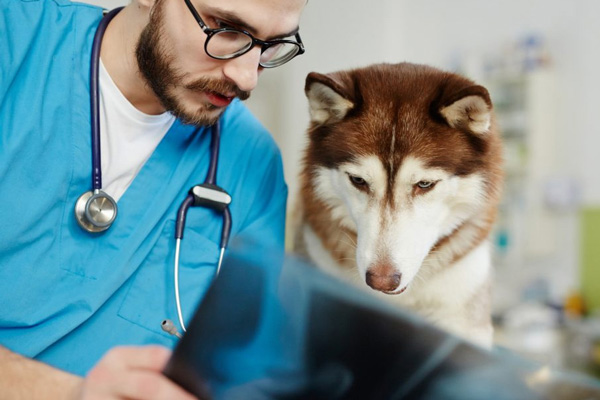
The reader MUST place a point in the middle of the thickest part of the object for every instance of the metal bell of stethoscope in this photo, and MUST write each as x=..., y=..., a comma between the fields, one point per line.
x=95, y=210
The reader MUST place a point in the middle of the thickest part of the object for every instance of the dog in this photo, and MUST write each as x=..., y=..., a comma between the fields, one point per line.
x=399, y=189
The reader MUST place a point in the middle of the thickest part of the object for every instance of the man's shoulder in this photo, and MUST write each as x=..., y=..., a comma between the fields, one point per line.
x=242, y=126
x=239, y=113
x=39, y=32
x=24, y=19
x=48, y=5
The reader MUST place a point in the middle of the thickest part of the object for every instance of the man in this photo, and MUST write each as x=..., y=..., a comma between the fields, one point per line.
x=69, y=298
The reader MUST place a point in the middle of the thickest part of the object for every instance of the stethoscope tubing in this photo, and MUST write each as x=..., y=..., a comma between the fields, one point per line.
x=220, y=202
x=95, y=99
x=211, y=179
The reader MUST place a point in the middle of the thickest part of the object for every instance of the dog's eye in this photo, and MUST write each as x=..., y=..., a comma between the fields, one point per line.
x=357, y=181
x=425, y=185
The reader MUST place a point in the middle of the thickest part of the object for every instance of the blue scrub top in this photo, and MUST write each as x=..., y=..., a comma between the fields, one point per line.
x=67, y=296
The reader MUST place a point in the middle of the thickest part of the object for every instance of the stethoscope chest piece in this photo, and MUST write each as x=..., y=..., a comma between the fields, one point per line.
x=95, y=211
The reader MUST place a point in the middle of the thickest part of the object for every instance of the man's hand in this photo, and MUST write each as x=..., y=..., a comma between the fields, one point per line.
x=132, y=373
x=123, y=373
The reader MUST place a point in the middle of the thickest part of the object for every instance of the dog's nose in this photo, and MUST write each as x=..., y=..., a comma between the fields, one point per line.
x=385, y=282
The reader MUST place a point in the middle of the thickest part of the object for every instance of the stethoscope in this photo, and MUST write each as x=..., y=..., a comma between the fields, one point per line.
x=96, y=211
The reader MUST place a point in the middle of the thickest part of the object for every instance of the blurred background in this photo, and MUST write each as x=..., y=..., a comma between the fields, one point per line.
x=540, y=60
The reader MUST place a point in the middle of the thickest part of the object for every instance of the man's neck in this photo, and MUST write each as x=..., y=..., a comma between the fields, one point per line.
x=119, y=59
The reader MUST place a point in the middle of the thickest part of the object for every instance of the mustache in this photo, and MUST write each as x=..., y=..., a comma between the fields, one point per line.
x=218, y=86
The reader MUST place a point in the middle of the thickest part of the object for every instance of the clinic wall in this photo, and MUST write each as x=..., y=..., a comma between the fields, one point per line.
x=469, y=29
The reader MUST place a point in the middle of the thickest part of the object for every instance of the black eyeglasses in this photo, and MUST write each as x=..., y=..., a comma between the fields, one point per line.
x=226, y=43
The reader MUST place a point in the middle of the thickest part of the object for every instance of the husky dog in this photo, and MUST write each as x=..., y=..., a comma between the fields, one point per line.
x=399, y=189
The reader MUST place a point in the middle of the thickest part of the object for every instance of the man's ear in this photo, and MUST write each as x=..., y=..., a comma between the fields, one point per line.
x=469, y=109
x=328, y=98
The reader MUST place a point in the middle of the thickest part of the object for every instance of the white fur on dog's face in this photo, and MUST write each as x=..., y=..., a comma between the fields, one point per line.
x=398, y=230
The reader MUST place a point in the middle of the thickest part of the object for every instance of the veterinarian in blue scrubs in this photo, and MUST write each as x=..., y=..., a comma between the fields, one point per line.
x=68, y=296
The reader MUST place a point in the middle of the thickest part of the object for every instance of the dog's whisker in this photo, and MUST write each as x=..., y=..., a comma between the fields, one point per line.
x=351, y=238
x=348, y=242
x=422, y=279
x=353, y=245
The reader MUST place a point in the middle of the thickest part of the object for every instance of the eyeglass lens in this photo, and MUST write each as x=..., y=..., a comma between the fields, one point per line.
x=229, y=44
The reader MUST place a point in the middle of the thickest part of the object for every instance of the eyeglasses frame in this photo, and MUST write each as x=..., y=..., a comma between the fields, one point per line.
x=264, y=44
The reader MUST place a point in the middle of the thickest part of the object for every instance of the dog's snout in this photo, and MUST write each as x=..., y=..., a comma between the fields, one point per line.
x=384, y=282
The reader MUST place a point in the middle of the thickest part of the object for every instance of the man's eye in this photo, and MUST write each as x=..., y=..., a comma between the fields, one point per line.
x=219, y=24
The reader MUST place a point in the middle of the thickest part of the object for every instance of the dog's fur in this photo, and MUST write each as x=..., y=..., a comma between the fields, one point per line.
x=399, y=189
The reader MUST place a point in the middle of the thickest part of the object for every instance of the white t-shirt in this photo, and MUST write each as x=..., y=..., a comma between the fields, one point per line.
x=127, y=136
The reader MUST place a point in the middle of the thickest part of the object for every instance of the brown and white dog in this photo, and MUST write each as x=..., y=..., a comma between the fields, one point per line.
x=399, y=189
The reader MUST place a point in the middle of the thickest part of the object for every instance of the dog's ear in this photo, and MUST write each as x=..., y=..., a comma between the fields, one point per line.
x=328, y=98
x=468, y=109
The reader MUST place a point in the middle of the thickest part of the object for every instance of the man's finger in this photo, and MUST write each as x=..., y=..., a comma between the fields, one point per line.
x=147, y=385
x=146, y=357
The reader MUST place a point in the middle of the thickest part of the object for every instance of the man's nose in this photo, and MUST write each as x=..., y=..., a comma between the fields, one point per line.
x=244, y=70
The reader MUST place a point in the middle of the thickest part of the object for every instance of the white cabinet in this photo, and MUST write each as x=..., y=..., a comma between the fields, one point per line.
x=525, y=107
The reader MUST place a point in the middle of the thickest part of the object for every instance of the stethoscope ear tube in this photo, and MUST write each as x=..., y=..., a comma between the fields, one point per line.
x=167, y=325
x=225, y=233
x=209, y=195
x=192, y=200
x=181, y=214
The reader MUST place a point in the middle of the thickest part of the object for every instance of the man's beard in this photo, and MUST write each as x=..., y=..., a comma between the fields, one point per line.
x=155, y=64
